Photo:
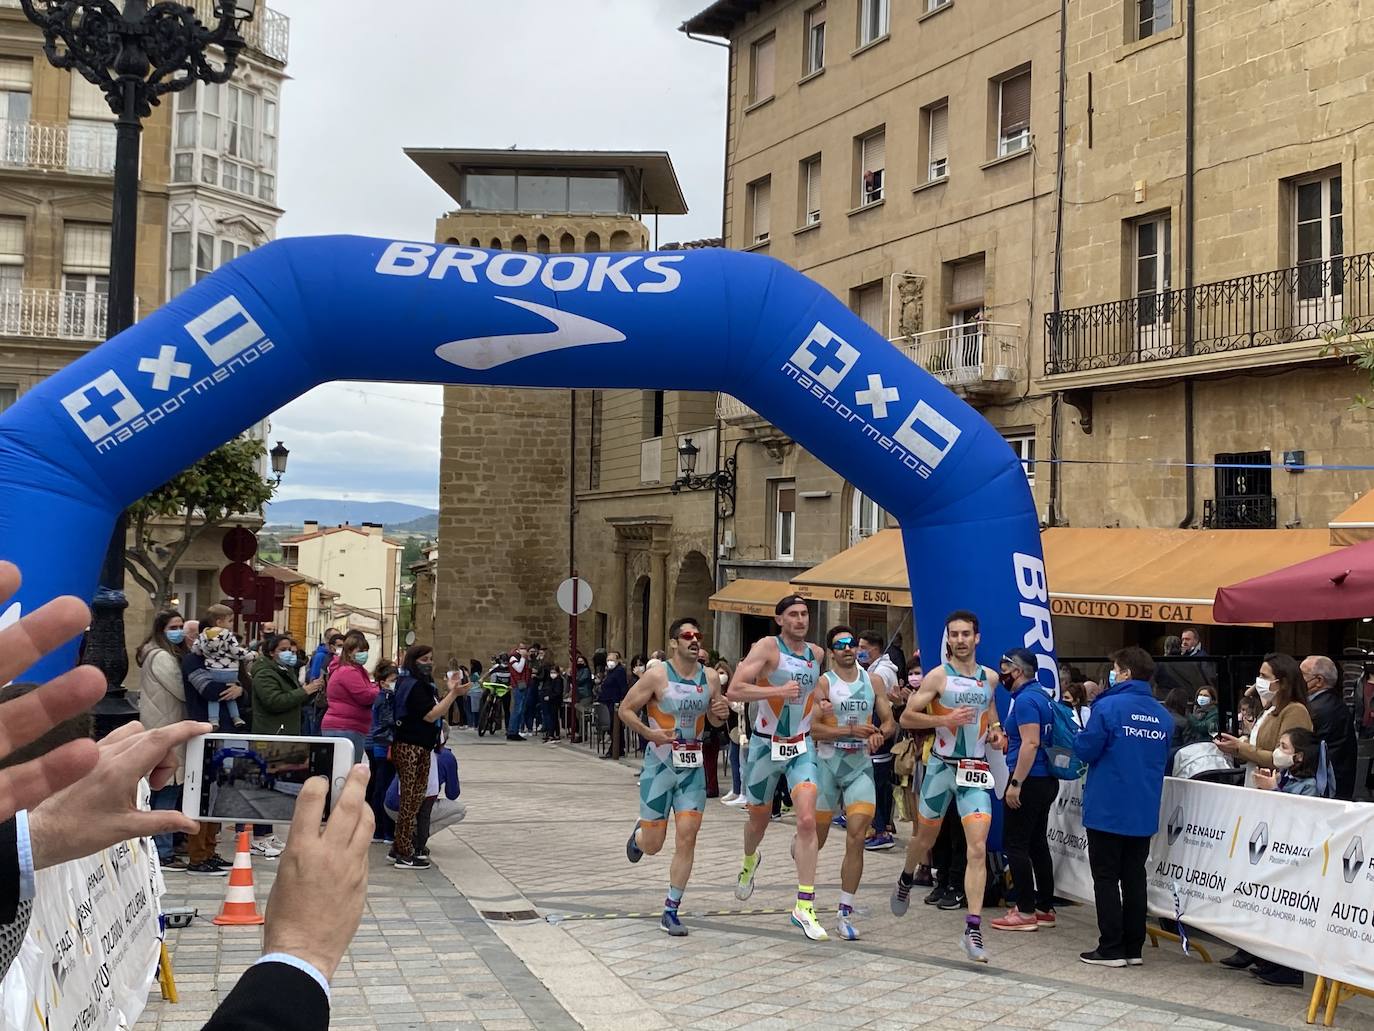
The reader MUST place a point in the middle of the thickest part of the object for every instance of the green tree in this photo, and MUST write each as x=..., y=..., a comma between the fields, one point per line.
x=164, y=524
x=1356, y=350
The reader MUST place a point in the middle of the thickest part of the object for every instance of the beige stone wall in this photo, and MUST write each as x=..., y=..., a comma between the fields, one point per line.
x=544, y=234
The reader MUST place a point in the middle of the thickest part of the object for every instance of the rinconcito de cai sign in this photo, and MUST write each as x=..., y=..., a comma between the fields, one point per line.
x=1151, y=611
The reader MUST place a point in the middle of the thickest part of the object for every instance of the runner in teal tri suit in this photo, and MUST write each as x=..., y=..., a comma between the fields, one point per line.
x=846, y=735
x=679, y=696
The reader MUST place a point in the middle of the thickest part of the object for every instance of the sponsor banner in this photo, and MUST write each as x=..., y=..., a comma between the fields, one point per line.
x=1285, y=877
x=90, y=955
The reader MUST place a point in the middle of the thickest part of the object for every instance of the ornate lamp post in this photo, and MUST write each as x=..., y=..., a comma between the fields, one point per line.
x=279, y=455
x=135, y=56
x=721, y=481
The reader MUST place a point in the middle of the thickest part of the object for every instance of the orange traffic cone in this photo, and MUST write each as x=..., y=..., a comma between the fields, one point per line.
x=240, y=907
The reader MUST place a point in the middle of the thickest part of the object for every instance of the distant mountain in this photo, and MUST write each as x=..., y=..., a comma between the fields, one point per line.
x=334, y=512
x=426, y=525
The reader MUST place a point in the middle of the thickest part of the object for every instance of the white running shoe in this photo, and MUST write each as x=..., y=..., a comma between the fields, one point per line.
x=811, y=927
x=728, y=798
x=265, y=848
x=973, y=944
x=739, y=802
x=744, y=885
x=844, y=923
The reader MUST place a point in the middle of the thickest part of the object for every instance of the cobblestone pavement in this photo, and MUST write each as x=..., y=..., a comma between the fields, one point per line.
x=570, y=936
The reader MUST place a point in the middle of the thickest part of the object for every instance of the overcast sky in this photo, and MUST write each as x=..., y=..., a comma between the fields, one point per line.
x=370, y=78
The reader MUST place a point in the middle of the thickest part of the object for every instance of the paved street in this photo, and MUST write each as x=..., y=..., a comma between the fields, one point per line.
x=545, y=835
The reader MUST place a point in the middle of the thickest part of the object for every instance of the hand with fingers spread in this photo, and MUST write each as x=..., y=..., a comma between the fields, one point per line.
x=332, y=853
x=101, y=808
x=25, y=719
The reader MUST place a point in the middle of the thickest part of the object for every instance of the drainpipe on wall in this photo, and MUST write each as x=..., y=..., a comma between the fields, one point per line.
x=1056, y=416
x=1189, y=143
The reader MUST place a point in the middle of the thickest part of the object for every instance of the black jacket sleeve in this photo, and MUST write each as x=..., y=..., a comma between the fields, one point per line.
x=273, y=997
x=1333, y=724
x=9, y=870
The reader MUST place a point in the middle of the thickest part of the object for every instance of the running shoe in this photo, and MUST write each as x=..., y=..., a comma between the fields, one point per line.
x=744, y=885
x=1096, y=959
x=923, y=877
x=412, y=863
x=265, y=848
x=173, y=865
x=973, y=944
x=632, y=850
x=901, y=898
x=811, y=927
x=844, y=924
x=727, y=799
x=938, y=895
x=879, y=843
x=670, y=925
x=1134, y=961
x=219, y=863
x=1015, y=920
x=1045, y=919
x=839, y=821
x=738, y=802
x=206, y=870
x=953, y=900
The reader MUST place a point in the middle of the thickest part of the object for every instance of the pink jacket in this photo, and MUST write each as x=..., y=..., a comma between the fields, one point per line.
x=351, y=694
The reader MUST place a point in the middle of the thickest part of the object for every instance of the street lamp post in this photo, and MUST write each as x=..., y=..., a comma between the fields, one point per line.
x=135, y=56
x=722, y=481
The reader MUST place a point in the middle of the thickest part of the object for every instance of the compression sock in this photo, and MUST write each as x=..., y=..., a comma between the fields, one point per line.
x=674, y=898
x=806, y=898
x=973, y=921
x=750, y=862
x=846, y=902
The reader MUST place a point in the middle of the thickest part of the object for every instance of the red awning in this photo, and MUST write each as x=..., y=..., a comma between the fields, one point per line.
x=1335, y=586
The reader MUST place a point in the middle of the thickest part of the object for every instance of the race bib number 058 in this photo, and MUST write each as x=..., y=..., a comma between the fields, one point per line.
x=973, y=773
x=687, y=755
x=785, y=748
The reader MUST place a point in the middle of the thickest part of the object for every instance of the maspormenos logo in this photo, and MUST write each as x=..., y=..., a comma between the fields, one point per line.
x=1352, y=861
x=1259, y=842
x=110, y=413
x=821, y=364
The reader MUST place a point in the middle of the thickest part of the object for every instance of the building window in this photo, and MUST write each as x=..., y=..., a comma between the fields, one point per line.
x=1024, y=446
x=810, y=180
x=1153, y=261
x=1151, y=16
x=16, y=105
x=872, y=167
x=935, y=5
x=208, y=252
x=1319, y=244
x=866, y=517
x=873, y=20
x=90, y=130
x=867, y=303
x=11, y=262
x=231, y=134
x=598, y=406
x=937, y=142
x=1013, y=113
x=1244, y=488
x=966, y=289
x=9, y=393
x=785, y=519
x=813, y=44
x=85, y=280
x=651, y=414
x=758, y=200
x=761, y=69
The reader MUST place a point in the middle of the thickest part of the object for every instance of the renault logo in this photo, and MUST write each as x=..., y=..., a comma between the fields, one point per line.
x=1259, y=842
x=1353, y=860
x=1175, y=824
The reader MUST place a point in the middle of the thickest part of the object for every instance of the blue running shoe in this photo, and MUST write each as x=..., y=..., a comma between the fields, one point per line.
x=670, y=925
x=844, y=923
x=839, y=821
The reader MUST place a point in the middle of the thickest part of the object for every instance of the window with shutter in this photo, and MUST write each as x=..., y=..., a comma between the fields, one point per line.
x=938, y=165
x=813, y=43
x=872, y=167
x=785, y=527
x=867, y=303
x=1014, y=114
x=966, y=287
x=11, y=264
x=86, y=248
x=88, y=101
x=761, y=70
x=758, y=205
x=811, y=202
x=9, y=393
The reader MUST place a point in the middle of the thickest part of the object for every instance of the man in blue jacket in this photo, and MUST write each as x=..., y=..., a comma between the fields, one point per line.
x=1126, y=747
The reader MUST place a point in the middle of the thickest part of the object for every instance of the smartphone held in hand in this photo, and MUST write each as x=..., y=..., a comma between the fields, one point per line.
x=236, y=778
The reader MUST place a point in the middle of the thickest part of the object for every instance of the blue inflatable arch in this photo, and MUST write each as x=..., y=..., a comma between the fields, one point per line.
x=273, y=324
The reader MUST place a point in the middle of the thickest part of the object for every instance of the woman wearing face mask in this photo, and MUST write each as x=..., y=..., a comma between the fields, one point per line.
x=1202, y=723
x=351, y=694
x=278, y=696
x=1300, y=778
x=161, y=703
x=378, y=747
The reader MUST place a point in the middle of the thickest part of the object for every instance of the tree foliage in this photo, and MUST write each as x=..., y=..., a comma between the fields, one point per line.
x=164, y=524
x=1358, y=351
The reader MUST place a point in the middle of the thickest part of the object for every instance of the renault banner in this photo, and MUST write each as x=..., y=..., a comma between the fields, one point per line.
x=1285, y=877
x=91, y=952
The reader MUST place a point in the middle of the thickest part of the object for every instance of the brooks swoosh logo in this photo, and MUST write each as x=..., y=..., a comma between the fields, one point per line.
x=571, y=330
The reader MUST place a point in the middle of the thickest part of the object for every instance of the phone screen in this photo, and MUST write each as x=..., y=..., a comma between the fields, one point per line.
x=256, y=780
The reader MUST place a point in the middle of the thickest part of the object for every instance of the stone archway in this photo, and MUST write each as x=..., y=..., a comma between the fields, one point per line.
x=692, y=592
x=641, y=600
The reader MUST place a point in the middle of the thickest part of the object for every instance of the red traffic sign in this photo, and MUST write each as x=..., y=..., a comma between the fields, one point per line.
x=238, y=580
x=240, y=545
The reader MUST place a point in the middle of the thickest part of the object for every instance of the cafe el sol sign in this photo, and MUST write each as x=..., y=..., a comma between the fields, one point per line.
x=856, y=595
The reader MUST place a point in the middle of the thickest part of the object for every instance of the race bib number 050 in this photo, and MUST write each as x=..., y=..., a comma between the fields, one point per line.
x=687, y=755
x=785, y=748
x=973, y=773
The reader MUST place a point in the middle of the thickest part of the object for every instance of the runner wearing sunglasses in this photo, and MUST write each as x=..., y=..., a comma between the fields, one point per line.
x=956, y=701
x=679, y=696
x=853, y=722
x=781, y=673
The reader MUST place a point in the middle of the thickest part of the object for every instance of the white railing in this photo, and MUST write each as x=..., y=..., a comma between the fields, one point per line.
x=651, y=460
x=975, y=355
x=268, y=33
x=734, y=412
x=704, y=440
x=85, y=149
x=54, y=314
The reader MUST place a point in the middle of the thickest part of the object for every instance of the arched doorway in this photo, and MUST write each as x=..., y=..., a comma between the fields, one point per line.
x=692, y=592
x=637, y=640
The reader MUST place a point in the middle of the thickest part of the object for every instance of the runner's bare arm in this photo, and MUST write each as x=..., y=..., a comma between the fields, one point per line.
x=637, y=698
x=718, y=710
x=823, y=724
x=914, y=716
x=761, y=660
x=887, y=723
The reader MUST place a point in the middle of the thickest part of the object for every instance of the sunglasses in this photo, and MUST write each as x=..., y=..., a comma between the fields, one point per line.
x=689, y=635
x=842, y=644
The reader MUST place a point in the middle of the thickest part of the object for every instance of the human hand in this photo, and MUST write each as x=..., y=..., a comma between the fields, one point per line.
x=660, y=736
x=1266, y=780
x=720, y=708
x=332, y=853
x=1228, y=744
x=875, y=741
x=231, y=693
x=862, y=730
x=960, y=717
x=29, y=717
x=825, y=709
x=314, y=686
x=790, y=691
x=1012, y=797
x=100, y=809
x=997, y=740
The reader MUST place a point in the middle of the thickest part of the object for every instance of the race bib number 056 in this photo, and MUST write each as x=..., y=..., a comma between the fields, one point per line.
x=785, y=748
x=687, y=755
x=973, y=773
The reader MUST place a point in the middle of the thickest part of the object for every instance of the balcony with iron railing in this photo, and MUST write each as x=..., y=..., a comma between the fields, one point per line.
x=269, y=33
x=1279, y=316
x=1240, y=512
x=976, y=359
x=81, y=148
x=54, y=314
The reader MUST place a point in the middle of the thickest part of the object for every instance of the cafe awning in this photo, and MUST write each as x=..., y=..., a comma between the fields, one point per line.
x=749, y=597
x=1168, y=576
x=1356, y=523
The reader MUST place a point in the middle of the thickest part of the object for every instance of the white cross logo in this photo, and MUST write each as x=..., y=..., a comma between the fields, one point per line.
x=164, y=368
x=877, y=396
